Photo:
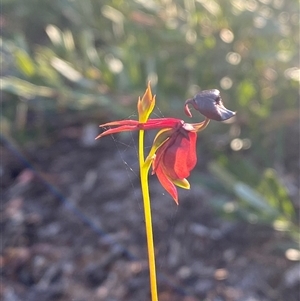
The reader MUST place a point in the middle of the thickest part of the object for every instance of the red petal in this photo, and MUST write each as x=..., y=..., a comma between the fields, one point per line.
x=160, y=153
x=166, y=183
x=123, y=128
x=133, y=125
x=155, y=123
x=180, y=157
x=159, y=123
x=120, y=122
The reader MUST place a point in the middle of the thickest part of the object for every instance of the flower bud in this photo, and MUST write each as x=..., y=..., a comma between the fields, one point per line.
x=146, y=104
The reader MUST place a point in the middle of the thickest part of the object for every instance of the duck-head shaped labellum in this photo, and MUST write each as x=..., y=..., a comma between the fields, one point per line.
x=209, y=103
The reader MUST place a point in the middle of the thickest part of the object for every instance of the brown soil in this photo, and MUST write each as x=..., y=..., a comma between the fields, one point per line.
x=74, y=231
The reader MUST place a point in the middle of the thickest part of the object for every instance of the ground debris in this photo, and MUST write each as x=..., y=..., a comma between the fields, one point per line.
x=49, y=253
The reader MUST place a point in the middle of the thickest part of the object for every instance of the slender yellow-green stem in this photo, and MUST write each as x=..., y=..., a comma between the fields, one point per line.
x=148, y=219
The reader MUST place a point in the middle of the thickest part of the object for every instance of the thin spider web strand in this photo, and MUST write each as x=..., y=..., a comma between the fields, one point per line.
x=127, y=166
x=128, y=146
x=116, y=141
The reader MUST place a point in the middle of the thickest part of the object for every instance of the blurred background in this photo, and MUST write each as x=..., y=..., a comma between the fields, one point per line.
x=72, y=213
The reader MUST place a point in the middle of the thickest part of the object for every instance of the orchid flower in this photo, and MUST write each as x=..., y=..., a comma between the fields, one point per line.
x=173, y=154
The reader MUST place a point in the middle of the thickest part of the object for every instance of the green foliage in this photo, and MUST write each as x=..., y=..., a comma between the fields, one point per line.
x=92, y=56
x=256, y=199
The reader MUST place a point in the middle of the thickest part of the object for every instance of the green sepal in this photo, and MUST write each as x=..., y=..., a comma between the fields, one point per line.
x=182, y=183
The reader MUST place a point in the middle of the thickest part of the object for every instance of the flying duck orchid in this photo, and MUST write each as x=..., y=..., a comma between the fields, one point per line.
x=173, y=153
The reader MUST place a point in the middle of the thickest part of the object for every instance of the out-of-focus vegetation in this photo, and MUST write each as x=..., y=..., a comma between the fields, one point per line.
x=71, y=58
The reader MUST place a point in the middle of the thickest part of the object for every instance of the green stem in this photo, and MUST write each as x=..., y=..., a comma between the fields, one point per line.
x=148, y=219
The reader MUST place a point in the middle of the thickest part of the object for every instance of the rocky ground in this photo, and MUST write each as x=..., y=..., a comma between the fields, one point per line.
x=74, y=231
